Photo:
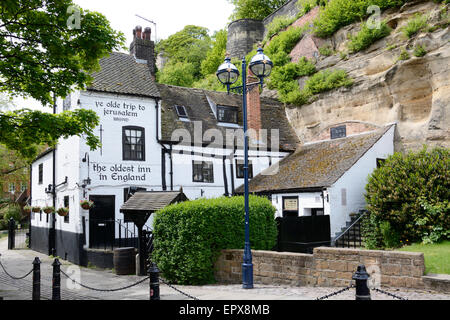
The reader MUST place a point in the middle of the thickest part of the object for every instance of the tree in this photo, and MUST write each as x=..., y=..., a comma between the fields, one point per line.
x=408, y=197
x=47, y=49
x=216, y=55
x=254, y=9
x=186, y=49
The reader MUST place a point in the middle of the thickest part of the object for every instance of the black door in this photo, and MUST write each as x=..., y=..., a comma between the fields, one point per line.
x=102, y=222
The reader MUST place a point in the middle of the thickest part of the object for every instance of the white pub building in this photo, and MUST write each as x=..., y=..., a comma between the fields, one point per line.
x=153, y=137
x=165, y=138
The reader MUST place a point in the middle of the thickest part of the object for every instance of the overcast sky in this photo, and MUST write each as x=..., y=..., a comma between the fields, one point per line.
x=170, y=16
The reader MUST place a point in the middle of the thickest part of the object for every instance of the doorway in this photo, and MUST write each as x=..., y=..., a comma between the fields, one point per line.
x=102, y=222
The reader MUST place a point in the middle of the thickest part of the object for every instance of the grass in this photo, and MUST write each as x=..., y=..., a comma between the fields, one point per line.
x=415, y=25
x=437, y=256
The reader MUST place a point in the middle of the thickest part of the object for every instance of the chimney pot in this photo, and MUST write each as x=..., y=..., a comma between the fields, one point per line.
x=137, y=32
x=147, y=33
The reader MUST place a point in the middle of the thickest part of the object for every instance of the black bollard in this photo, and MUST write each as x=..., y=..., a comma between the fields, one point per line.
x=154, y=281
x=56, y=283
x=11, y=234
x=362, y=290
x=36, y=279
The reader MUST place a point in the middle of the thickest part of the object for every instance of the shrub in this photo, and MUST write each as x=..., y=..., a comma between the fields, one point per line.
x=364, y=38
x=327, y=80
x=411, y=192
x=326, y=51
x=404, y=55
x=419, y=51
x=415, y=24
x=190, y=235
x=278, y=23
x=339, y=13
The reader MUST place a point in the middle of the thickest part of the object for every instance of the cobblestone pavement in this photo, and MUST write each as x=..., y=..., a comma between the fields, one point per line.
x=19, y=262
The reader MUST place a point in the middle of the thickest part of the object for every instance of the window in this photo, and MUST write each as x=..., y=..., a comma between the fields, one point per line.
x=133, y=143
x=240, y=169
x=380, y=162
x=12, y=187
x=67, y=103
x=338, y=132
x=66, y=204
x=41, y=173
x=181, y=111
x=226, y=114
x=202, y=171
x=23, y=186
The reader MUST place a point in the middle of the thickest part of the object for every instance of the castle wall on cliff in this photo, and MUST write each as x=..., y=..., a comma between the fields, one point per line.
x=243, y=34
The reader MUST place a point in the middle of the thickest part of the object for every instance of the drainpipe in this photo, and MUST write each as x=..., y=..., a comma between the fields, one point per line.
x=52, y=235
x=171, y=168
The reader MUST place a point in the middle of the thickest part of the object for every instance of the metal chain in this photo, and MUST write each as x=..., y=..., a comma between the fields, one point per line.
x=335, y=293
x=171, y=286
x=389, y=294
x=15, y=278
x=104, y=290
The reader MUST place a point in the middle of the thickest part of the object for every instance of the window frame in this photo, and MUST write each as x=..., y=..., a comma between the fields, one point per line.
x=41, y=173
x=205, y=166
x=227, y=108
x=250, y=169
x=336, y=132
x=67, y=205
x=124, y=142
x=185, y=116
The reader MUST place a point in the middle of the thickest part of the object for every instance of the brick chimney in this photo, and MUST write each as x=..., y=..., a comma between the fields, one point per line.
x=253, y=106
x=143, y=48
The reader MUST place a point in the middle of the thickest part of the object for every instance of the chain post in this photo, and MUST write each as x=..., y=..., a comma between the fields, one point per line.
x=11, y=233
x=36, y=295
x=154, y=281
x=361, y=276
x=56, y=283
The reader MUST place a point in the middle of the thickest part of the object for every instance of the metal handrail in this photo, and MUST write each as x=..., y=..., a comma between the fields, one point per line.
x=346, y=230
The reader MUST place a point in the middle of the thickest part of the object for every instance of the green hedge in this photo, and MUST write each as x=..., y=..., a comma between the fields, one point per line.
x=190, y=235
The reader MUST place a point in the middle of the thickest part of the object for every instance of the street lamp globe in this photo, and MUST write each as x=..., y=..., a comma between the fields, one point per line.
x=227, y=73
x=261, y=65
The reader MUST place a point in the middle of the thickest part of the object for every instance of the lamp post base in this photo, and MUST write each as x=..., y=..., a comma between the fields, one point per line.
x=247, y=275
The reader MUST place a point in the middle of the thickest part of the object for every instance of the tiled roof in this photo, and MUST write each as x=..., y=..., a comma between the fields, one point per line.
x=151, y=200
x=315, y=165
x=273, y=115
x=120, y=73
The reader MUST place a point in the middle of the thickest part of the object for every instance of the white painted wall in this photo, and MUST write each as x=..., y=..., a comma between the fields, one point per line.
x=306, y=201
x=354, y=182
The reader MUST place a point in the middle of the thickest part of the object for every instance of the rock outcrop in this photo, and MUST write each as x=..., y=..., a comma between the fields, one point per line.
x=414, y=93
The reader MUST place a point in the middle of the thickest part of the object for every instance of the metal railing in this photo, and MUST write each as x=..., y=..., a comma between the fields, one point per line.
x=122, y=234
x=351, y=237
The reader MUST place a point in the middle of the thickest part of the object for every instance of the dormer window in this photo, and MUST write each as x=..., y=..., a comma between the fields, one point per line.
x=338, y=132
x=181, y=112
x=226, y=114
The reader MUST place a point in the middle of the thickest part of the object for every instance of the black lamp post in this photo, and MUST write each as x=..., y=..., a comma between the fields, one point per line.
x=227, y=73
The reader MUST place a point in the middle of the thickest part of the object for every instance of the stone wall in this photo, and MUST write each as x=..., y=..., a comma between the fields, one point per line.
x=325, y=267
x=242, y=35
x=289, y=9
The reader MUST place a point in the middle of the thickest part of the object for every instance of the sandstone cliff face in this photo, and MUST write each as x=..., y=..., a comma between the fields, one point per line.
x=414, y=93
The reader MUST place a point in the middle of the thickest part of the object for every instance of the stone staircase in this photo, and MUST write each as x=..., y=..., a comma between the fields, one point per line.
x=350, y=235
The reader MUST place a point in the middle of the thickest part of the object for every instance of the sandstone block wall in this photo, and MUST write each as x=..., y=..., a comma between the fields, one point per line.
x=325, y=267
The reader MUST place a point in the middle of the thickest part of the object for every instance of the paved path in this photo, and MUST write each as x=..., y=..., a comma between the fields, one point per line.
x=19, y=262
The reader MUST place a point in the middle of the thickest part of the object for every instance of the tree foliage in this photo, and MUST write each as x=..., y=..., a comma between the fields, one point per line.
x=411, y=193
x=254, y=9
x=185, y=50
x=47, y=49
